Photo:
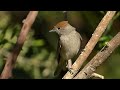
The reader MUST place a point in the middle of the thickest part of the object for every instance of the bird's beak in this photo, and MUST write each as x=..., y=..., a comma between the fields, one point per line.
x=52, y=30
x=55, y=30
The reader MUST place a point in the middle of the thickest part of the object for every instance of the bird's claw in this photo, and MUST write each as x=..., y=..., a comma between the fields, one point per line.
x=70, y=70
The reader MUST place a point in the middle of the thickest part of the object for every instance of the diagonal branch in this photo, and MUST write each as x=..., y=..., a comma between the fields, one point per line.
x=91, y=44
x=97, y=60
x=10, y=62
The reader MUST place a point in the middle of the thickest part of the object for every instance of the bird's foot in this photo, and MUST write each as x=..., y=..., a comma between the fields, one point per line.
x=69, y=66
x=71, y=70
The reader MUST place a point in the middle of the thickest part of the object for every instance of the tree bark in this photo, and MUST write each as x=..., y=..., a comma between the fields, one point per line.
x=97, y=60
x=10, y=62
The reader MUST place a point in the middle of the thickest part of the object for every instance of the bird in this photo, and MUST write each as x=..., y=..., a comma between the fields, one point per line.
x=68, y=45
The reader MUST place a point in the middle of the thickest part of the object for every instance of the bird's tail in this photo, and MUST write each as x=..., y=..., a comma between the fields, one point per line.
x=60, y=67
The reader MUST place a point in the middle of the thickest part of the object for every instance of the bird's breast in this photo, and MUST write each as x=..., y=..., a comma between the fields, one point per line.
x=70, y=45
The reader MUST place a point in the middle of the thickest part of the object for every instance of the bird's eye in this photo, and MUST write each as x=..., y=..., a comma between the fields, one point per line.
x=58, y=27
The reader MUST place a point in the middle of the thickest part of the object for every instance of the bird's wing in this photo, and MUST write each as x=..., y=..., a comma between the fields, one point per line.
x=58, y=50
x=59, y=61
x=80, y=37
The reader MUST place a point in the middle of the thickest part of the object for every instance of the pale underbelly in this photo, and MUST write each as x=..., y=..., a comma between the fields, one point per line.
x=69, y=52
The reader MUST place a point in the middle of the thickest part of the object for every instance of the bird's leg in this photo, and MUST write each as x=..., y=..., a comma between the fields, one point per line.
x=69, y=66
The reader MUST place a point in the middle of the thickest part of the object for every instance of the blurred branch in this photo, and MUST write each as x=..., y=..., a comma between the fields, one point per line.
x=10, y=62
x=65, y=15
x=90, y=45
x=96, y=76
x=97, y=60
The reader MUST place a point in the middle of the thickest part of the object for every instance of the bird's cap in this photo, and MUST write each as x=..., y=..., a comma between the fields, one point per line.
x=62, y=24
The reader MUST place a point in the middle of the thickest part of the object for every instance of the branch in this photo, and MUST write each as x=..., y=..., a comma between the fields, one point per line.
x=91, y=44
x=10, y=62
x=96, y=76
x=97, y=60
x=65, y=15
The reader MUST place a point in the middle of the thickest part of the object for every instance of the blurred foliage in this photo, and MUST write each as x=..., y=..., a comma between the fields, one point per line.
x=37, y=59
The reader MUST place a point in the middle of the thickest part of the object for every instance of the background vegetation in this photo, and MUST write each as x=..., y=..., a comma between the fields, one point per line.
x=37, y=59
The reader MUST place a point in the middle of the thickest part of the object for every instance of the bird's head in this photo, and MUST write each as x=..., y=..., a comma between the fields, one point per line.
x=62, y=28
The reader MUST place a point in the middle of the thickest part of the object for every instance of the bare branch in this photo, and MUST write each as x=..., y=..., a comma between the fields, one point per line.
x=100, y=57
x=65, y=15
x=96, y=76
x=10, y=62
x=91, y=44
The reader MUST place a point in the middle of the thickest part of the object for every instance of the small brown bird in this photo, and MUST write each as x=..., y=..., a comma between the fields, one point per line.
x=68, y=46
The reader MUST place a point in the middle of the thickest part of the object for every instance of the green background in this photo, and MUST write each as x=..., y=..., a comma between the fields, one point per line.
x=37, y=59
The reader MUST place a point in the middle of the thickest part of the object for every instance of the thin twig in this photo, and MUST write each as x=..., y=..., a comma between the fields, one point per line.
x=99, y=58
x=90, y=45
x=96, y=76
x=65, y=15
x=10, y=62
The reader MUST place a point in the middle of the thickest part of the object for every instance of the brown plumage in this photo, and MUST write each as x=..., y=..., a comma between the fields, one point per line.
x=62, y=24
